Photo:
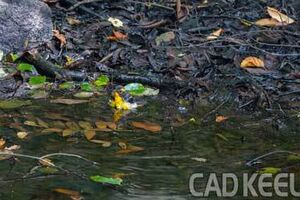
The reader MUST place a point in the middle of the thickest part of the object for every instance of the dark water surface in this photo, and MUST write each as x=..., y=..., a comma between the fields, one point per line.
x=163, y=169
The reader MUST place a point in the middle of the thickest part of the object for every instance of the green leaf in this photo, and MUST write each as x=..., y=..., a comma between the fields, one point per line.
x=293, y=158
x=25, y=67
x=102, y=80
x=67, y=85
x=37, y=80
x=85, y=86
x=269, y=170
x=134, y=88
x=13, y=57
x=102, y=179
x=13, y=103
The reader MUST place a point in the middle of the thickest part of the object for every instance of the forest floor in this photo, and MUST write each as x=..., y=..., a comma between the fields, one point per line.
x=216, y=50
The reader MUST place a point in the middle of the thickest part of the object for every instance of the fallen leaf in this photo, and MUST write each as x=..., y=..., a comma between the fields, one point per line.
x=61, y=37
x=52, y=130
x=46, y=162
x=2, y=143
x=221, y=118
x=115, y=22
x=280, y=17
x=117, y=36
x=130, y=149
x=165, y=37
x=69, y=101
x=68, y=192
x=214, y=35
x=31, y=123
x=103, y=142
x=22, y=135
x=253, y=62
x=73, y=126
x=85, y=125
x=147, y=126
x=89, y=134
x=73, y=21
x=102, y=179
x=268, y=22
x=68, y=132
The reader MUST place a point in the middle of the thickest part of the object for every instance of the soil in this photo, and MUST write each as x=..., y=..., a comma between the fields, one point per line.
x=189, y=65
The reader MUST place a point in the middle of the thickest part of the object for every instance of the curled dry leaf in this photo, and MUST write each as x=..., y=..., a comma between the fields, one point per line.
x=46, y=162
x=147, y=126
x=22, y=135
x=103, y=142
x=252, y=62
x=221, y=118
x=280, y=17
x=117, y=36
x=214, y=35
x=115, y=22
x=267, y=22
x=61, y=37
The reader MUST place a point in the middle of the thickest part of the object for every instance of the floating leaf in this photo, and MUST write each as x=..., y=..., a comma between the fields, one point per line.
x=221, y=118
x=89, y=134
x=130, y=149
x=85, y=125
x=134, y=88
x=22, y=135
x=87, y=87
x=103, y=142
x=214, y=35
x=31, y=123
x=252, y=62
x=115, y=22
x=102, y=80
x=269, y=170
x=83, y=95
x=37, y=80
x=147, y=126
x=52, y=130
x=13, y=103
x=23, y=67
x=2, y=143
x=72, y=193
x=280, y=17
x=102, y=179
x=165, y=37
x=46, y=162
x=69, y=101
x=68, y=132
x=67, y=85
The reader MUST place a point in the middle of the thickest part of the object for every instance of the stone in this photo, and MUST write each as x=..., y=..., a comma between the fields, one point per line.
x=24, y=24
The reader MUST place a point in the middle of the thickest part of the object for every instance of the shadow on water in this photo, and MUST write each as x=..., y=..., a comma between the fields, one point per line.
x=161, y=171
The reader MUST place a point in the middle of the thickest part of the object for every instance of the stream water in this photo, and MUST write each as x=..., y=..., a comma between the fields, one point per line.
x=162, y=170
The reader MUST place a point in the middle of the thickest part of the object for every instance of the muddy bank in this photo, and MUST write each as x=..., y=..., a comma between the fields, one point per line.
x=166, y=45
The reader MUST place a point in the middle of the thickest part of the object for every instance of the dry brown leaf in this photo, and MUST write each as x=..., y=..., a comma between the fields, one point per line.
x=214, y=35
x=280, y=17
x=268, y=22
x=73, y=21
x=117, y=36
x=61, y=37
x=89, y=134
x=130, y=149
x=102, y=125
x=2, y=143
x=253, y=62
x=147, y=126
x=46, y=162
x=221, y=118
x=67, y=192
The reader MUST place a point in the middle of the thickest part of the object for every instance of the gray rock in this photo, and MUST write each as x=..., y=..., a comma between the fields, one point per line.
x=22, y=22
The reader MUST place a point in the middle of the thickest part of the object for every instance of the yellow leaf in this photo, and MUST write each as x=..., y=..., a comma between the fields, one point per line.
x=89, y=134
x=118, y=102
x=252, y=62
x=147, y=126
x=2, y=143
x=268, y=22
x=130, y=149
x=280, y=17
x=214, y=35
x=22, y=135
x=103, y=142
x=46, y=162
